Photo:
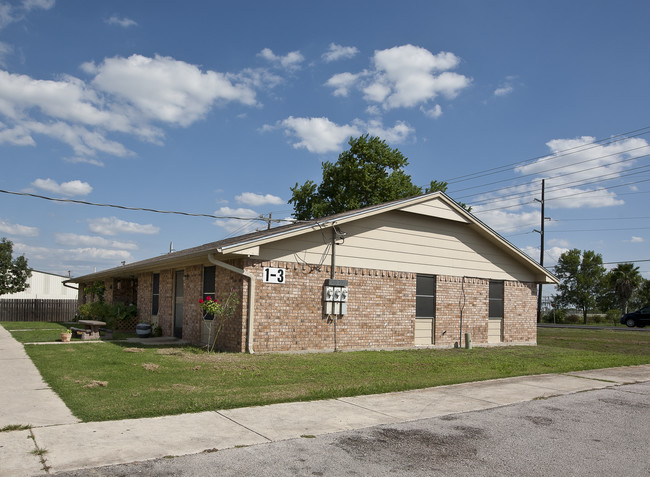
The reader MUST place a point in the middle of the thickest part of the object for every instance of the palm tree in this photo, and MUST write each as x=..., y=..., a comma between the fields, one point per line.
x=625, y=279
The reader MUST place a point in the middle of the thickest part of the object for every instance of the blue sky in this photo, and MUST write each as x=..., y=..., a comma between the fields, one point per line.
x=220, y=107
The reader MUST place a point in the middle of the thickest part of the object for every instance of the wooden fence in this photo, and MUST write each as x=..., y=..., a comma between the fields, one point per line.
x=37, y=310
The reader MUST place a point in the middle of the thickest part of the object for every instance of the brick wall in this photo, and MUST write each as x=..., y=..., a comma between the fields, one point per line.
x=166, y=303
x=289, y=316
x=232, y=336
x=520, y=313
x=192, y=290
x=381, y=309
x=452, y=295
x=145, y=298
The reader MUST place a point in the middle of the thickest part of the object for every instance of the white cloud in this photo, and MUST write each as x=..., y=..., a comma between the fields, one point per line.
x=16, y=229
x=507, y=222
x=10, y=14
x=62, y=255
x=404, y=77
x=255, y=200
x=395, y=135
x=318, y=135
x=67, y=99
x=338, y=52
x=554, y=253
x=433, y=113
x=577, y=175
x=342, y=83
x=165, y=89
x=125, y=95
x=291, y=61
x=42, y=4
x=6, y=15
x=70, y=188
x=18, y=136
x=235, y=226
x=506, y=87
x=551, y=255
x=113, y=226
x=83, y=160
x=72, y=240
x=577, y=170
x=5, y=50
x=637, y=240
x=559, y=242
x=504, y=90
x=123, y=22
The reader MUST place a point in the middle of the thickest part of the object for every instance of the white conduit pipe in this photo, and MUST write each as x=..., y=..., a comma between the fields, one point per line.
x=251, y=298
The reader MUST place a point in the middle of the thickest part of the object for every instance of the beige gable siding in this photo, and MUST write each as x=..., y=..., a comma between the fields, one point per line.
x=436, y=208
x=406, y=242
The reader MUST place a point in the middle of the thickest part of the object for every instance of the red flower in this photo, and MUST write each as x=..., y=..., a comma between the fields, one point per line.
x=209, y=298
x=200, y=300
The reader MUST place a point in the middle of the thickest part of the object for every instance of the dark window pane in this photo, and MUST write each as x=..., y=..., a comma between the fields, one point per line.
x=496, y=309
x=424, y=307
x=425, y=296
x=496, y=300
x=425, y=285
x=496, y=290
x=208, y=279
x=155, y=293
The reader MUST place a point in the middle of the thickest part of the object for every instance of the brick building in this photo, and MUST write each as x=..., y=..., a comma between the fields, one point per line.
x=414, y=272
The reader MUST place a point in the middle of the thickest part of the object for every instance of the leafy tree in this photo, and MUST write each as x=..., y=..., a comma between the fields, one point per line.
x=582, y=279
x=13, y=272
x=642, y=296
x=624, y=280
x=369, y=173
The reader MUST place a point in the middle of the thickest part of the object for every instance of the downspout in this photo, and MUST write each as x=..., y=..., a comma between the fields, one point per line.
x=461, y=305
x=333, y=276
x=251, y=298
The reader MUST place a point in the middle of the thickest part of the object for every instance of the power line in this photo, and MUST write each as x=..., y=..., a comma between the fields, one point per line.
x=537, y=173
x=143, y=209
x=614, y=174
x=581, y=148
x=580, y=182
x=626, y=261
x=564, y=196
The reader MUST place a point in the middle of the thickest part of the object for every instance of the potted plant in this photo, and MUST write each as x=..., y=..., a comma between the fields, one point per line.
x=66, y=335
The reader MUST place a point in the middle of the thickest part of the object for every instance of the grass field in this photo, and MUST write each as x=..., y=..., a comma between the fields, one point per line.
x=110, y=381
x=42, y=332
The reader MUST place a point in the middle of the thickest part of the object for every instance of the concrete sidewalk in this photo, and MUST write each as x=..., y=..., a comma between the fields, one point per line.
x=65, y=444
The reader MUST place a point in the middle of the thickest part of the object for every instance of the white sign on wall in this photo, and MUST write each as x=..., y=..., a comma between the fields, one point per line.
x=273, y=275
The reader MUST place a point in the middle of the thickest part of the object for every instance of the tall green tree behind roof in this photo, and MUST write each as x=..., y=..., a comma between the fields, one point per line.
x=368, y=173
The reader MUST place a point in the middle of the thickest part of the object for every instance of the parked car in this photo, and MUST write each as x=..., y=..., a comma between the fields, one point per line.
x=638, y=318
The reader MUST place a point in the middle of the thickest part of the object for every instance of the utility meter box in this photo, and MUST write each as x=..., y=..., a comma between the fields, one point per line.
x=335, y=297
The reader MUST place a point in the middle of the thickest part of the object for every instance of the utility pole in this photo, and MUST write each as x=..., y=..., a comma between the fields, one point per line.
x=541, y=251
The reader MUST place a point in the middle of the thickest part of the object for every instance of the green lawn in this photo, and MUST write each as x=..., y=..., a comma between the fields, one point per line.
x=36, y=331
x=43, y=332
x=112, y=381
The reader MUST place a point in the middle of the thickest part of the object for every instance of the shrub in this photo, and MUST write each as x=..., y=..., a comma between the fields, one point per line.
x=614, y=316
x=558, y=314
x=573, y=319
x=111, y=314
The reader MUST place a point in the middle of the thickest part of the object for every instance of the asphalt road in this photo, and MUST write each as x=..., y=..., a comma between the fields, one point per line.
x=593, y=433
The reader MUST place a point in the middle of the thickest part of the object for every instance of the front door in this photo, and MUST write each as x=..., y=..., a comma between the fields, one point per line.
x=178, y=304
